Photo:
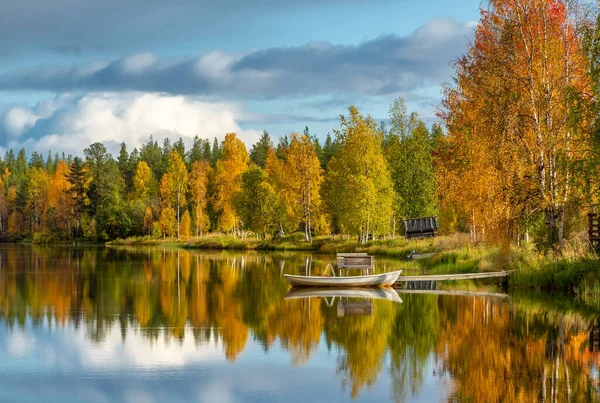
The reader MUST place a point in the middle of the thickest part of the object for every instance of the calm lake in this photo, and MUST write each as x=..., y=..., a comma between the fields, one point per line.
x=154, y=324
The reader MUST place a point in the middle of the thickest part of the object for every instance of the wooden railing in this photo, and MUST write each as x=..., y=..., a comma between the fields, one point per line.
x=362, y=261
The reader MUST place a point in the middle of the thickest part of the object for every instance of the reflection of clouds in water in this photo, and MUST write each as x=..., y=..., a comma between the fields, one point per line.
x=66, y=365
x=216, y=392
x=19, y=343
x=138, y=396
x=69, y=348
x=139, y=351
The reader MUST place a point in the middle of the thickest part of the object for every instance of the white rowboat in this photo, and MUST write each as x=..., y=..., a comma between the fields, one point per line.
x=373, y=280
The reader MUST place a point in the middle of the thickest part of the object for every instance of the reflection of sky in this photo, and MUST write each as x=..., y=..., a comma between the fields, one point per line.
x=60, y=364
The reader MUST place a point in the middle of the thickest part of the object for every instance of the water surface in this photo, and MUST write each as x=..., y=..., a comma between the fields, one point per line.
x=151, y=324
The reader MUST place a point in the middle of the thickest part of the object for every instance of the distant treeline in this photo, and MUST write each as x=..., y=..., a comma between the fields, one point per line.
x=361, y=181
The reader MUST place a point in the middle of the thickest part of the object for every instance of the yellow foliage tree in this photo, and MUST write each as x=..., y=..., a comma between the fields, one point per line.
x=36, y=196
x=186, y=224
x=359, y=189
x=199, y=175
x=141, y=181
x=15, y=224
x=148, y=220
x=288, y=215
x=227, y=181
x=168, y=222
x=60, y=202
x=304, y=177
x=179, y=176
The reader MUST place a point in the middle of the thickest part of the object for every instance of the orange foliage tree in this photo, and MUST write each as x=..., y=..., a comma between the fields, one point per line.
x=516, y=121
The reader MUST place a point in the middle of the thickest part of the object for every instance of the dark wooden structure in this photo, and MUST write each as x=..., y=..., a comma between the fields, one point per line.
x=422, y=227
x=429, y=282
x=361, y=261
x=352, y=308
x=594, y=231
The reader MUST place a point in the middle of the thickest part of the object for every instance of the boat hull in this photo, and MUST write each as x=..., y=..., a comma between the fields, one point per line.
x=349, y=292
x=374, y=280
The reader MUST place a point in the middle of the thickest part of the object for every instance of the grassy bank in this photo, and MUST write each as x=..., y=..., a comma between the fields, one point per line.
x=397, y=248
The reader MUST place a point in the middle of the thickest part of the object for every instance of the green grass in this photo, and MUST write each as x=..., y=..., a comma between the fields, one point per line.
x=579, y=276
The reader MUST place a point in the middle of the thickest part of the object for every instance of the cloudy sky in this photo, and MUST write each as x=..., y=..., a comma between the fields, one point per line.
x=77, y=71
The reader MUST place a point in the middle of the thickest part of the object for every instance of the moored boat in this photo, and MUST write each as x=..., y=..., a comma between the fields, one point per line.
x=373, y=280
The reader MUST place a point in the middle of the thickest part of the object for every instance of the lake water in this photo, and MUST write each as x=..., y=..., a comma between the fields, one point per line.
x=152, y=325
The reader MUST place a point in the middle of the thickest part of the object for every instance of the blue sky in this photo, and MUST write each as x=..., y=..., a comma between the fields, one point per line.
x=77, y=71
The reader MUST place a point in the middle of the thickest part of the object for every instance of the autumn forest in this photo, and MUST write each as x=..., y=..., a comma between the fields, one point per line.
x=514, y=157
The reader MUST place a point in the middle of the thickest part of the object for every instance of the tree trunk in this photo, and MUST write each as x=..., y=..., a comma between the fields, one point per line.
x=561, y=228
x=555, y=221
x=308, y=235
x=178, y=200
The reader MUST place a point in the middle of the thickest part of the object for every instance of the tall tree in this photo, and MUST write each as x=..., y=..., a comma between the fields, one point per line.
x=141, y=181
x=228, y=173
x=196, y=151
x=105, y=193
x=258, y=153
x=125, y=168
x=216, y=152
x=21, y=164
x=282, y=145
x=288, y=214
x=3, y=199
x=330, y=148
x=359, y=189
x=206, y=152
x=408, y=148
x=36, y=197
x=198, y=185
x=256, y=201
x=179, y=146
x=50, y=166
x=179, y=176
x=10, y=161
x=305, y=178
x=60, y=206
x=527, y=65
x=152, y=154
x=78, y=191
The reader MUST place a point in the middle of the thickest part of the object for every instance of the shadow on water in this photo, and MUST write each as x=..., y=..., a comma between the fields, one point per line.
x=378, y=343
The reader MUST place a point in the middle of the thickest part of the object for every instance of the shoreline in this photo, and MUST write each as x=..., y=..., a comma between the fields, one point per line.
x=577, y=275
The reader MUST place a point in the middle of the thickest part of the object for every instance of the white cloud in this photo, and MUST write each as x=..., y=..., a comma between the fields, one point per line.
x=71, y=123
x=19, y=119
x=138, y=63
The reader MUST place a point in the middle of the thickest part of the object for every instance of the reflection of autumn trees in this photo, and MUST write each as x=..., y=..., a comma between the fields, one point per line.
x=412, y=340
x=494, y=352
x=489, y=349
x=298, y=324
x=363, y=341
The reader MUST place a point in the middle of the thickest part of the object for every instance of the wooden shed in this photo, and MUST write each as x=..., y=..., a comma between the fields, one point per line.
x=422, y=227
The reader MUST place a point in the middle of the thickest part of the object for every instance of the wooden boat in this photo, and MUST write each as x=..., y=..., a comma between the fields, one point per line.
x=414, y=255
x=373, y=280
x=388, y=294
